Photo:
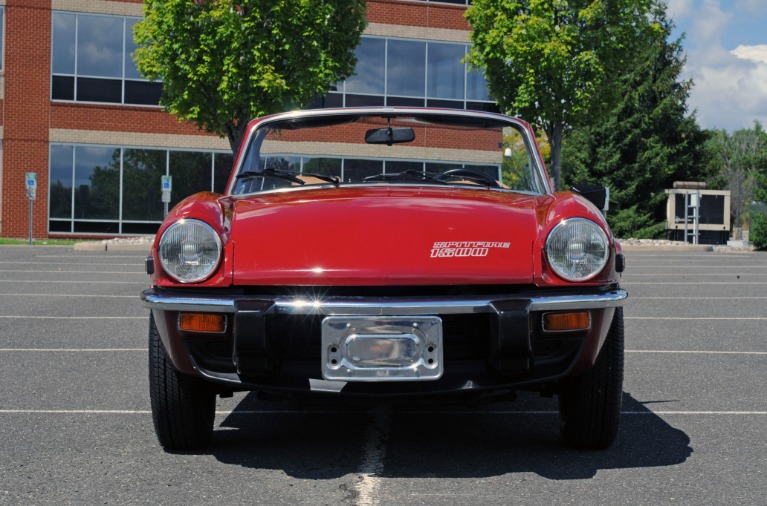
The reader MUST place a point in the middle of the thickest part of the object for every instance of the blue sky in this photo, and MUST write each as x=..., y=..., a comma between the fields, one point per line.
x=726, y=47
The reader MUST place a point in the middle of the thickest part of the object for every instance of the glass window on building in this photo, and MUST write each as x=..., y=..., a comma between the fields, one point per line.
x=2, y=36
x=406, y=68
x=60, y=181
x=368, y=78
x=91, y=61
x=404, y=72
x=115, y=190
x=222, y=167
x=445, y=71
x=191, y=172
x=96, y=188
x=142, y=195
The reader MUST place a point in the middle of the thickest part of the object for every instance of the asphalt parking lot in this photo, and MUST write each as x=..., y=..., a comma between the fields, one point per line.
x=75, y=426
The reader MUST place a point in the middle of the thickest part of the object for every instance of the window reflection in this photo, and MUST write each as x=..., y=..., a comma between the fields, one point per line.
x=96, y=179
x=2, y=34
x=60, y=180
x=405, y=68
x=369, y=74
x=191, y=172
x=446, y=71
x=91, y=61
x=63, y=43
x=131, y=72
x=99, y=46
x=142, y=170
x=405, y=72
x=97, y=182
x=222, y=168
x=477, y=86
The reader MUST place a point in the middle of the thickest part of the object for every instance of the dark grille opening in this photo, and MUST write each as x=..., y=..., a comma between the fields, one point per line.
x=212, y=355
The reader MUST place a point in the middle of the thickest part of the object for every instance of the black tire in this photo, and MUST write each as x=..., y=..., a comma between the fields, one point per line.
x=183, y=407
x=590, y=404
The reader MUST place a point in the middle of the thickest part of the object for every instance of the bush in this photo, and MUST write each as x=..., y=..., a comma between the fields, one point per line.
x=758, y=232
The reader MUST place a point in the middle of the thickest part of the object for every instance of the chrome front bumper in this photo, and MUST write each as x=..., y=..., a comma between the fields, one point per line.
x=384, y=306
x=502, y=347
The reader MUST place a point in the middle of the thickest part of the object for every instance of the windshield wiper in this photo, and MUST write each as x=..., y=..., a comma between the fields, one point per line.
x=330, y=179
x=407, y=175
x=288, y=176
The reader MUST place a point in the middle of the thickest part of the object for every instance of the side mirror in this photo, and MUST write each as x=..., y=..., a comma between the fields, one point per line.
x=597, y=195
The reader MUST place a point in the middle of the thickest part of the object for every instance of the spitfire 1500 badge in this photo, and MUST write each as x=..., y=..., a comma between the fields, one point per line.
x=465, y=248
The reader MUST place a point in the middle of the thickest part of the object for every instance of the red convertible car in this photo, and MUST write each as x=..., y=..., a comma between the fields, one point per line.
x=381, y=254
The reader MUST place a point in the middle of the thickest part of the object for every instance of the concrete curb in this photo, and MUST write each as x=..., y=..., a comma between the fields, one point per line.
x=660, y=247
x=110, y=247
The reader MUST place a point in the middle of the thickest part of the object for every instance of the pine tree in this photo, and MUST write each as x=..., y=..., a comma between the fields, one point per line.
x=648, y=142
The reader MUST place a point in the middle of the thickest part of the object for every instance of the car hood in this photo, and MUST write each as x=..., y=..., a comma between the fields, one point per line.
x=387, y=235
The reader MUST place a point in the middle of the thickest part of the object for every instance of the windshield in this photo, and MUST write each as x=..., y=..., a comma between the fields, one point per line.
x=357, y=149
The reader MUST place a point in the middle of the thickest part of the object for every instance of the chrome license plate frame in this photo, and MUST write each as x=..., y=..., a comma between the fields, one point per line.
x=382, y=348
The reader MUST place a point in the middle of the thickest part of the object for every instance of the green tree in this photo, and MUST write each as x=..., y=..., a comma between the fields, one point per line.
x=225, y=62
x=647, y=142
x=555, y=62
x=738, y=162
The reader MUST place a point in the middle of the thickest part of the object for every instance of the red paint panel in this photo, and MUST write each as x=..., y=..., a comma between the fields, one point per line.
x=384, y=236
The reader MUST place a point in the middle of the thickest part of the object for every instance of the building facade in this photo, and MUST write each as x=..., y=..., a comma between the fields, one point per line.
x=76, y=112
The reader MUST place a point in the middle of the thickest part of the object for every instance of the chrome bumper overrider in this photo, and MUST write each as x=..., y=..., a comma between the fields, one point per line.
x=389, y=306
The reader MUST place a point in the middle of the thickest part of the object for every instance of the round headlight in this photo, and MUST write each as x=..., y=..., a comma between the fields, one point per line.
x=189, y=250
x=577, y=249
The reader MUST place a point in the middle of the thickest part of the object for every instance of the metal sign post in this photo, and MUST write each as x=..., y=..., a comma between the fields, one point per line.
x=31, y=187
x=166, y=185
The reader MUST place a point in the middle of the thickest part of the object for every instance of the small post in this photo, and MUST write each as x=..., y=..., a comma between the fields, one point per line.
x=166, y=185
x=31, y=187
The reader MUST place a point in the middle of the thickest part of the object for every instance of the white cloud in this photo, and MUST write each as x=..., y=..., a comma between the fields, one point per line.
x=754, y=53
x=730, y=85
x=730, y=96
x=678, y=8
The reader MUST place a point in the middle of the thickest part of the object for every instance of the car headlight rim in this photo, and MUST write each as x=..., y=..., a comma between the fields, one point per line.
x=577, y=249
x=189, y=250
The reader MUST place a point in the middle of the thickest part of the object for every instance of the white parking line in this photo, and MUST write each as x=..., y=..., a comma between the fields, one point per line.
x=694, y=318
x=330, y=412
x=100, y=350
x=17, y=317
x=79, y=296
x=372, y=467
x=677, y=283
x=707, y=274
x=74, y=282
x=639, y=297
x=73, y=350
x=80, y=264
x=701, y=267
x=76, y=272
x=699, y=352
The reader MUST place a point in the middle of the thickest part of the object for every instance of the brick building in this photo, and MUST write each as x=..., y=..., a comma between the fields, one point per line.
x=76, y=112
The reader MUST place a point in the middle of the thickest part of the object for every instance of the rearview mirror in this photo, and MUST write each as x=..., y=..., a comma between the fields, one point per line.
x=389, y=135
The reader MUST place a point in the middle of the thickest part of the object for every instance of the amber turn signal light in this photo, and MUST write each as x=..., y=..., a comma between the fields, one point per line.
x=202, y=322
x=561, y=322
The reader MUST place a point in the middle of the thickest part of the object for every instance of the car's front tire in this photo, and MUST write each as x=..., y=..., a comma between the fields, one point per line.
x=590, y=404
x=183, y=407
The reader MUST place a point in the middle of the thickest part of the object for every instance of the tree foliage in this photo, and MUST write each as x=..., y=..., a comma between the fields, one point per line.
x=224, y=62
x=555, y=62
x=647, y=142
x=738, y=162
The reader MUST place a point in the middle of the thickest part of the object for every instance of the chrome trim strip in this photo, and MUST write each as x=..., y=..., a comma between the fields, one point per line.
x=384, y=306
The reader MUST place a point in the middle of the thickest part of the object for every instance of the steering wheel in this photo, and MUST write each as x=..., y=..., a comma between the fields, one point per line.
x=473, y=175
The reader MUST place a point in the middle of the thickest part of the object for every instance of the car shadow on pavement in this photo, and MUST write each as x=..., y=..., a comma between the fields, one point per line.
x=318, y=441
